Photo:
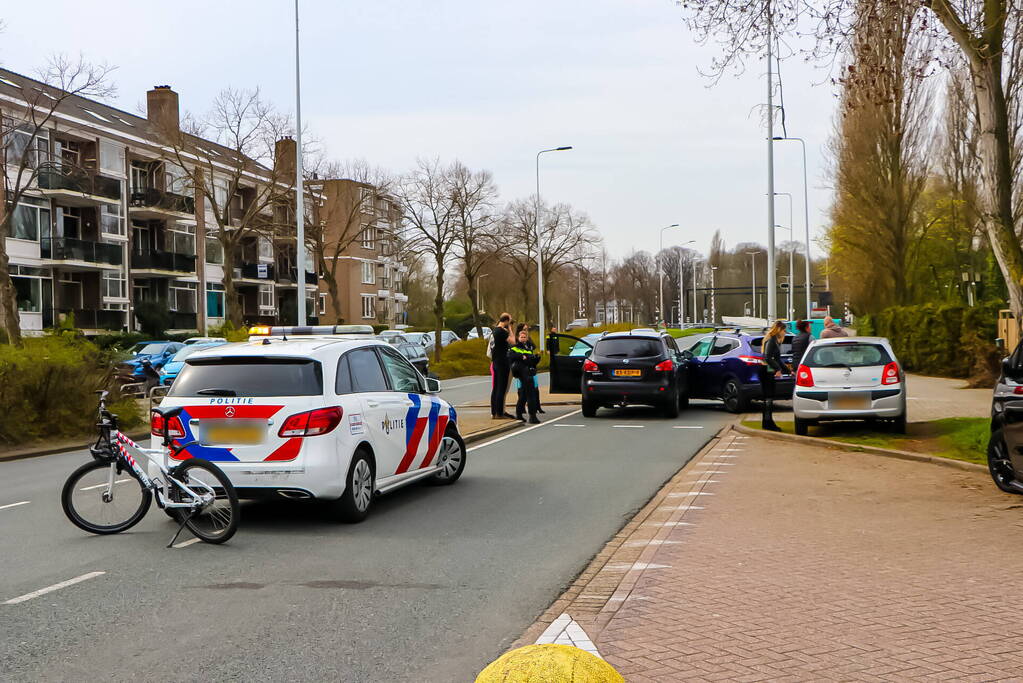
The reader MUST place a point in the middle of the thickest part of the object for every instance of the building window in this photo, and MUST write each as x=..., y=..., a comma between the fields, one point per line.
x=214, y=250
x=114, y=286
x=266, y=248
x=110, y=219
x=214, y=300
x=369, y=273
x=29, y=293
x=369, y=306
x=181, y=239
x=177, y=178
x=323, y=304
x=182, y=297
x=369, y=238
x=140, y=173
x=31, y=219
x=111, y=158
x=366, y=200
x=19, y=139
x=266, y=298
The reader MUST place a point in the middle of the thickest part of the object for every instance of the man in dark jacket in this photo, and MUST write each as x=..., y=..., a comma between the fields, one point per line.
x=800, y=342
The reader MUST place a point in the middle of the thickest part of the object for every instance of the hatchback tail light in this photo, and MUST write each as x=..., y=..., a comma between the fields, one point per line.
x=312, y=422
x=804, y=377
x=890, y=374
x=175, y=430
x=752, y=360
x=590, y=366
x=665, y=366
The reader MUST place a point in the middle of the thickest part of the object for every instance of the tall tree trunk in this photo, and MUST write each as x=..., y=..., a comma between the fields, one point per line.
x=996, y=175
x=438, y=310
x=9, y=318
x=233, y=308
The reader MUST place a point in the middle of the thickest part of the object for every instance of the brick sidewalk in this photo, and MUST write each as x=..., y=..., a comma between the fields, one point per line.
x=768, y=561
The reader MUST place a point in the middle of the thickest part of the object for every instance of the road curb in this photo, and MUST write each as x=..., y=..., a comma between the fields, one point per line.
x=484, y=434
x=857, y=448
x=26, y=453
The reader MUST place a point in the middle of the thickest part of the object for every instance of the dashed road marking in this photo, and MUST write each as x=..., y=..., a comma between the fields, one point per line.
x=518, y=432
x=14, y=505
x=99, y=486
x=628, y=426
x=688, y=427
x=187, y=543
x=564, y=425
x=54, y=587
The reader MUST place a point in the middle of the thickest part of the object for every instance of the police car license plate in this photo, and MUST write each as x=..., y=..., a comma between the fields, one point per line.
x=628, y=373
x=849, y=402
x=247, y=434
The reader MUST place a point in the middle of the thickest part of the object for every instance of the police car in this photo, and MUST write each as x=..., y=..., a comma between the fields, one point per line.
x=308, y=413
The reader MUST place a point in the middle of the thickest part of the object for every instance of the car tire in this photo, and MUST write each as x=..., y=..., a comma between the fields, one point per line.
x=734, y=400
x=589, y=408
x=450, y=458
x=898, y=424
x=999, y=465
x=801, y=426
x=360, y=486
x=669, y=408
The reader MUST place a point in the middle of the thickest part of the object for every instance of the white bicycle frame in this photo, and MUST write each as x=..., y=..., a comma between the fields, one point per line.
x=125, y=446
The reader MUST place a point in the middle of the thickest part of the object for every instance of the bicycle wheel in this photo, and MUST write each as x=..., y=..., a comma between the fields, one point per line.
x=93, y=505
x=217, y=521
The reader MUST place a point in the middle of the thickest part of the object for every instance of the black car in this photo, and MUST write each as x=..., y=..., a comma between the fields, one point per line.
x=415, y=353
x=1005, y=447
x=622, y=368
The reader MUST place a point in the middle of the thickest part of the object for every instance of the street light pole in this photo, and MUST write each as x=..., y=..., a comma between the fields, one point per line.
x=660, y=273
x=695, y=263
x=713, y=300
x=753, y=268
x=681, y=290
x=806, y=221
x=791, y=312
x=299, y=190
x=479, y=290
x=790, y=269
x=539, y=253
x=772, y=283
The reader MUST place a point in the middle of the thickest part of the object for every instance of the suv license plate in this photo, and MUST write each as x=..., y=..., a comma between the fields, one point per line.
x=234, y=434
x=854, y=402
x=628, y=373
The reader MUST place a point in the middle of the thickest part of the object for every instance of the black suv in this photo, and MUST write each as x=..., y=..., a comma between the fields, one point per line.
x=621, y=368
x=1005, y=448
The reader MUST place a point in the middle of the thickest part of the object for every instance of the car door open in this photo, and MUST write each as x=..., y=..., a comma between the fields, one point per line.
x=568, y=354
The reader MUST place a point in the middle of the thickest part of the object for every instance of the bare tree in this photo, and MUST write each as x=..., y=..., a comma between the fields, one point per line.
x=474, y=195
x=566, y=238
x=24, y=144
x=427, y=202
x=516, y=246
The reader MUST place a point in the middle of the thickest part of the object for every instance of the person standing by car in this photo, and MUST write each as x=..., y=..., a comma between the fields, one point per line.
x=801, y=341
x=522, y=358
x=832, y=329
x=553, y=345
x=771, y=369
x=499, y=368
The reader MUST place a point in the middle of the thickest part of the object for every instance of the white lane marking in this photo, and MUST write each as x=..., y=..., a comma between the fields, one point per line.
x=187, y=543
x=628, y=426
x=566, y=631
x=14, y=505
x=99, y=486
x=569, y=425
x=467, y=384
x=54, y=587
x=517, y=432
x=688, y=427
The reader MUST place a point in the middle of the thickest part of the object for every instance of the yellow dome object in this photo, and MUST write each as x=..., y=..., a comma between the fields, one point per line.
x=549, y=664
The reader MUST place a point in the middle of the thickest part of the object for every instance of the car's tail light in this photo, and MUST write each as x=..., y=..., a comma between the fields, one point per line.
x=312, y=422
x=590, y=366
x=804, y=377
x=752, y=360
x=665, y=366
x=174, y=428
x=890, y=374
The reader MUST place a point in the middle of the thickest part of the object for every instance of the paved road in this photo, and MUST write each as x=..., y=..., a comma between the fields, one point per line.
x=436, y=583
x=475, y=389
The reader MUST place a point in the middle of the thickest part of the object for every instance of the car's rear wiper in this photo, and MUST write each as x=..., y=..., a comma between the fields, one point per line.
x=837, y=365
x=213, y=391
x=616, y=355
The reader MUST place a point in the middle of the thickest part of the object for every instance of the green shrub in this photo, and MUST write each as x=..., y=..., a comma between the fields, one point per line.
x=154, y=317
x=229, y=332
x=48, y=385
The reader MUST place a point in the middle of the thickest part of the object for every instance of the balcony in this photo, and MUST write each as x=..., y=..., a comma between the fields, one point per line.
x=153, y=204
x=82, y=252
x=77, y=187
x=255, y=271
x=157, y=262
x=91, y=319
x=183, y=321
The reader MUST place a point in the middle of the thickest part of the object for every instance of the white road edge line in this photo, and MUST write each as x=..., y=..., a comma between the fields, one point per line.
x=54, y=587
x=628, y=426
x=522, y=431
x=14, y=505
x=185, y=544
x=688, y=427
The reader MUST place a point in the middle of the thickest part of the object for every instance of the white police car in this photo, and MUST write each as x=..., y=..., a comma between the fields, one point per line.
x=306, y=413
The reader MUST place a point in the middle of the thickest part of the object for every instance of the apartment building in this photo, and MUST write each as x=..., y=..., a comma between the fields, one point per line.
x=111, y=221
x=362, y=232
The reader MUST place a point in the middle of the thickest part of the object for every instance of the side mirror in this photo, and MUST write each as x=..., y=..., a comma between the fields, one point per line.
x=432, y=385
x=687, y=354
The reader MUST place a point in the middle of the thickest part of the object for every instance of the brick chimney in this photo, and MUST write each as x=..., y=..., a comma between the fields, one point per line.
x=162, y=108
x=285, y=150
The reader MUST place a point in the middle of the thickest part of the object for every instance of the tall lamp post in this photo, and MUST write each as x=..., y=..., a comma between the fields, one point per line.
x=753, y=268
x=299, y=191
x=682, y=290
x=791, y=311
x=806, y=220
x=713, y=299
x=695, y=310
x=539, y=254
x=660, y=272
x=479, y=290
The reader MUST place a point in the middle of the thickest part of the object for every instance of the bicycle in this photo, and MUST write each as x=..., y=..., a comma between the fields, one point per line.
x=196, y=493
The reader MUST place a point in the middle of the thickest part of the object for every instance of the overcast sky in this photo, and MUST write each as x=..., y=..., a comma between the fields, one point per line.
x=488, y=83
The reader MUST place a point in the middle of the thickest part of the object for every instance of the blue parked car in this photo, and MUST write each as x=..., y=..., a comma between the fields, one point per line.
x=158, y=353
x=723, y=366
x=170, y=371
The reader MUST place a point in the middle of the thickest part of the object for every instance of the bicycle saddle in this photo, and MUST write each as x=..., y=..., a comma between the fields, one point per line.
x=168, y=413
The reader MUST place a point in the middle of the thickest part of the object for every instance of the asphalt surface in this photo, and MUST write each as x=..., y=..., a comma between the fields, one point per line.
x=434, y=585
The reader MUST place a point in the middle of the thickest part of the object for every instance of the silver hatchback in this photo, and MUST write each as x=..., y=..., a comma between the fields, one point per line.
x=849, y=378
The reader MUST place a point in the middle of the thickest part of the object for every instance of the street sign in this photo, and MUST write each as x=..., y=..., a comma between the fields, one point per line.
x=262, y=271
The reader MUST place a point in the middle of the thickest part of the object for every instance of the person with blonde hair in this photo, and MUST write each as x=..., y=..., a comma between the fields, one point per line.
x=773, y=367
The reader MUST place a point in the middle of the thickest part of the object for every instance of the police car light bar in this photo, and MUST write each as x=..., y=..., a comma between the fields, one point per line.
x=311, y=330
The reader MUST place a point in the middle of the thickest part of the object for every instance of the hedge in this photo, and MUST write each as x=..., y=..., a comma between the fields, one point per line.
x=942, y=340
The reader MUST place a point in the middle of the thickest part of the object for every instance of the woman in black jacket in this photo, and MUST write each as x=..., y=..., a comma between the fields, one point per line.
x=523, y=360
x=772, y=368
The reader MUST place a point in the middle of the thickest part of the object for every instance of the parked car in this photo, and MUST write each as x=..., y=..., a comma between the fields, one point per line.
x=487, y=333
x=577, y=323
x=622, y=368
x=204, y=340
x=424, y=339
x=446, y=337
x=1005, y=446
x=389, y=333
x=413, y=352
x=157, y=353
x=170, y=370
x=724, y=366
x=850, y=378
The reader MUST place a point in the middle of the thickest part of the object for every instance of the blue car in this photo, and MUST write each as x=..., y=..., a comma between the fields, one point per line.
x=723, y=366
x=171, y=369
x=158, y=353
